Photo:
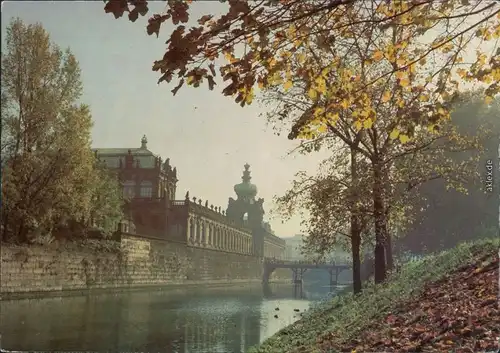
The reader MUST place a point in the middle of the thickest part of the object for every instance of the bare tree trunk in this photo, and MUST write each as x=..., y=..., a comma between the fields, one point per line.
x=355, y=228
x=388, y=250
x=355, y=251
x=379, y=215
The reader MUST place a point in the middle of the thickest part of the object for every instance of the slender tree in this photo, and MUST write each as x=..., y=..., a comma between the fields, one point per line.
x=48, y=174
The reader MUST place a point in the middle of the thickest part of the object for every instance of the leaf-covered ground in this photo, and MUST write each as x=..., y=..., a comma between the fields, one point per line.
x=445, y=303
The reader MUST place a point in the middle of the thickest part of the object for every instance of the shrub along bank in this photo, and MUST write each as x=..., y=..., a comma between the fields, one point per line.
x=444, y=302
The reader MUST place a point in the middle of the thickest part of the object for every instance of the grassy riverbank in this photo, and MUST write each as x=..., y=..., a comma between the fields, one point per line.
x=414, y=311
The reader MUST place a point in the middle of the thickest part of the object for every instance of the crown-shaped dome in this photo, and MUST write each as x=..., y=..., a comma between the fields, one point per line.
x=246, y=189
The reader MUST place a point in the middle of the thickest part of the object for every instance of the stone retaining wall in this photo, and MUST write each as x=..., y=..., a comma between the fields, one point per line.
x=136, y=262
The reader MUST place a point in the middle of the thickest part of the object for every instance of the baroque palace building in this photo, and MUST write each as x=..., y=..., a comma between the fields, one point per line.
x=152, y=210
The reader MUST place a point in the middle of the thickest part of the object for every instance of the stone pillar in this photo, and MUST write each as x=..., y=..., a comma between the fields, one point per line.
x=203, y=232
x=198, y=231
x=210, y=234
x=188, y=229
x=207, y=233
x=193, y=230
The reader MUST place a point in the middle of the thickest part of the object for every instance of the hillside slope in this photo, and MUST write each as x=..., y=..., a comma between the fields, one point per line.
x=444, y=303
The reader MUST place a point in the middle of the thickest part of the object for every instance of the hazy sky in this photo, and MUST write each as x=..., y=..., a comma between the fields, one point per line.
x=206, y=136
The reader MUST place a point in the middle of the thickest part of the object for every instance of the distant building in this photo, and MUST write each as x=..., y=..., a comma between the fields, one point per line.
x=294, y=251
x=293, y=248
x=152, y=210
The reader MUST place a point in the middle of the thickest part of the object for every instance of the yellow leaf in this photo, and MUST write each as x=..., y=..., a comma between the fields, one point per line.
x=287, y=85
x=313, y=94
x=249, y=97
x=447, y=48
x=228, y=56
x=496, y=75
x=260, y=84
x=190, y=80
x=386, y=97
x=401, y=62
x=344, y=104
x=400, y=75
x=301, y=58
x=462, y=72
x=332, y=117
x=275, y=79
x=394, y=134
x=488, y=99
x=378, y=55
x=320, y=84
x=367, y=124
x=318, y=111
x=404, y=82
x=358, y=125
x=441, y=111
x=404, y=138
x=322, y=128
x=423, y=98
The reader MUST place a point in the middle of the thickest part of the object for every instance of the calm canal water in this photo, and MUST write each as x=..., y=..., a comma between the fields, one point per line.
x=223, y=320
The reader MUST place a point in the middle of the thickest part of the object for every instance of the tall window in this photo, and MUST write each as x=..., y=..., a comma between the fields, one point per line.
x=146, y=189
x=129, y=189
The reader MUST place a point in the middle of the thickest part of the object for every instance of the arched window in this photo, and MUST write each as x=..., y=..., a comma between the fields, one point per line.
x=146, y=189
x=129, y=189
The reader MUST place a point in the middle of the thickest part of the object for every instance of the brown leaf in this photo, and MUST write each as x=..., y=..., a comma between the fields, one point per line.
x=212, y=69
x=154, y=24
x=133, y=15
x=165, y=77
x=174, y=91
x=211, y=82
x=204, y=19
x=116, y=7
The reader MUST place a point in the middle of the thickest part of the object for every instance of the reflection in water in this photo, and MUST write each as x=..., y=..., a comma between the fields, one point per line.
x=176, y=322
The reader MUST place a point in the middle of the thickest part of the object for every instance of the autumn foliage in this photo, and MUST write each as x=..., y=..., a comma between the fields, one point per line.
x=263, y=44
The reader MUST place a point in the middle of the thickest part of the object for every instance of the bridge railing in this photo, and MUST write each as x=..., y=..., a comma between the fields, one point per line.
x=301, y=262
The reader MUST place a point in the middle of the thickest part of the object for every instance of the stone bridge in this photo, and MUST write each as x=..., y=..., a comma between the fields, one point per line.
x=300, y=267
